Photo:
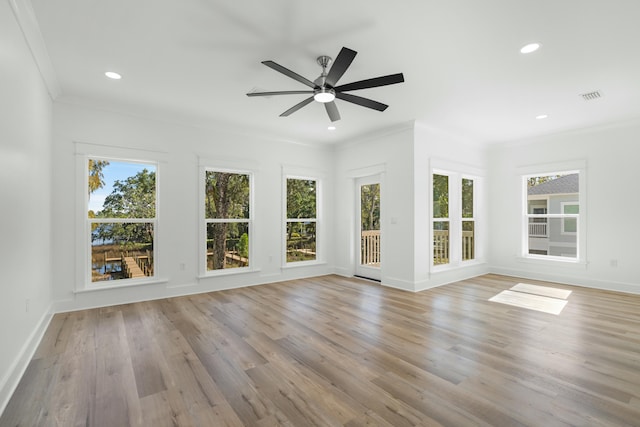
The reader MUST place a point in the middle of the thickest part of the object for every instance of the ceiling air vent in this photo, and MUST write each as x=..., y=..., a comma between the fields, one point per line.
x=590, y=96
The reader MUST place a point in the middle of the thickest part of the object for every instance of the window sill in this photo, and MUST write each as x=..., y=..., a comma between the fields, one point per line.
x=131, y=284
x=228, y=272
x=460, y=265
x=557, y=261
x=303, y=264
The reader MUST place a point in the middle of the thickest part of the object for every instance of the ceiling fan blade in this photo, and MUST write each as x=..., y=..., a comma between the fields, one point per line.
x=391, y=79
x=340, y=65
x=287, y=92
x=287, y=72
x=365, y=102
x=332, y=111
x=297, y=107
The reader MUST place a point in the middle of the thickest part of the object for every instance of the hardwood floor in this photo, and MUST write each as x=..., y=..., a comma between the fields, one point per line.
x=332, y=351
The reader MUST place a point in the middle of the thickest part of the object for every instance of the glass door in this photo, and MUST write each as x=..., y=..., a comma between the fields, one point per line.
x=368, y=226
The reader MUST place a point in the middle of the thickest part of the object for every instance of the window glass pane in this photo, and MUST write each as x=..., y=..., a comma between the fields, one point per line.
x=121, y=189
x=549, y=191
x=440, y=242
x=440, y=196
x=467, y=198
x=301, y=198
x=227, y=245
x=301, y=241
x=468, y=240
x=226, y=195
x=121, y=251
x=370, y=207
x=570, y=209
x=554, y=242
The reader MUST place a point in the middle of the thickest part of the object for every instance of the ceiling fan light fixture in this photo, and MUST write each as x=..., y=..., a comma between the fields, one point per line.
x=324, y=95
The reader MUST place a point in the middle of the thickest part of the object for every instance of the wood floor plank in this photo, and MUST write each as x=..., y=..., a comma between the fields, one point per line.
x=331, y=351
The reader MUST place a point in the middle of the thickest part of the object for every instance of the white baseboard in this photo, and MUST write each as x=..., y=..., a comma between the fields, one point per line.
x=629, y=288
x=12, y=378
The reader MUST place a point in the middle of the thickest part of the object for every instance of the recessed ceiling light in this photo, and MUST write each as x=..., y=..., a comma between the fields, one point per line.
x=542, y=116
x=331, y=128
x=113, y=75
x=531, y=47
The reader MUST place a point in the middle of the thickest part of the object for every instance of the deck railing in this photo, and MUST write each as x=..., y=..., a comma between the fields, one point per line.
x=441, y=246
x=370, y=247
x=537, y=229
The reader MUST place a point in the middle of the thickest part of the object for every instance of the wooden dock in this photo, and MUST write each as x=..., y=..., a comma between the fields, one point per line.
x=131, y=268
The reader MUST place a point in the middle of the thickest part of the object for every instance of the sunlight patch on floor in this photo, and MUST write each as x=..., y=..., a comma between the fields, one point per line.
x=533, y=297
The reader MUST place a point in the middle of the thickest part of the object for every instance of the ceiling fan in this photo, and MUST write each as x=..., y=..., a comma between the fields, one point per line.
x=324, y=89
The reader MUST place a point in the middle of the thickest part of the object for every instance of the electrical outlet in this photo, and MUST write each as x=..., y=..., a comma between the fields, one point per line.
x=26, y=305
x=613, y=263
x=183, y=266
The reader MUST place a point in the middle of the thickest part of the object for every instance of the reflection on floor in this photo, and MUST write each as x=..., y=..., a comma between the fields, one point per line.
x=533, y=297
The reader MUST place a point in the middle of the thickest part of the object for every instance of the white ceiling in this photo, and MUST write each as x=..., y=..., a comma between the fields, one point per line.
x=194, y=60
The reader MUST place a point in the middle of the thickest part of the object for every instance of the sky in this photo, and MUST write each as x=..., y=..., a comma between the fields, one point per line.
x=115, y=171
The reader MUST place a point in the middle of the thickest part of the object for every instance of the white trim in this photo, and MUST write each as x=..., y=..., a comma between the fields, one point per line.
x=372, y=170
x=124, y=283
x=12, y=377
x=26, y=19
x=455, y=219
x=203, y=221
x=84, y=152
x=303, y=175
x=560, y=168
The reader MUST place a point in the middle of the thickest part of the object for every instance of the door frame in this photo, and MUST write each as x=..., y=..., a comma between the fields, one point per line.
x=367, y=272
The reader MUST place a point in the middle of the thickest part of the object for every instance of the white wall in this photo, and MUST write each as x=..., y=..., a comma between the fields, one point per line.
x=389, y=153
x=435, y=149
x=612, y=206
x=181, y=146
x=25, y=203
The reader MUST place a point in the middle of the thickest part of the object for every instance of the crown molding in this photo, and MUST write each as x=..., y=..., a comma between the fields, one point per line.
x=26, y=18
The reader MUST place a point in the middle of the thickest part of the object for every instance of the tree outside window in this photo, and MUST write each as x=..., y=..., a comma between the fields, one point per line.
x=228, y=219
x=122, y=219
x=301, y=220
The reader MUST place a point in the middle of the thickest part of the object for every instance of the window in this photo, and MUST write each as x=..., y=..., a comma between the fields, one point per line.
x=552, y=215
x=570, y=225
x=301, y=220
x=468, y=221
x=121, y=219
x=227, y=220
x=453, y=220
x=440, y=219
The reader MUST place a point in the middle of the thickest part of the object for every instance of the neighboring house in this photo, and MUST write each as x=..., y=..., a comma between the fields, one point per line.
x=553, y=236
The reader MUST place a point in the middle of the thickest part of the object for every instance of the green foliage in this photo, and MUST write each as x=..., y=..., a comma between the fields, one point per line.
x=227, y=195
x=370, y=207
x=467, y=198
x=243, y=245
x=440, y=196
x=301, y=198
x=134, y=197
x=96, y=177
x=537, y=180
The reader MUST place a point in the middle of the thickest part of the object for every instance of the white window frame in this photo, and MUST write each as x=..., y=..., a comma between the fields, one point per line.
x=451, y=207
x=561, y=168
x=456, y=174
x=84, y=152
x=316, y=220
x=562, y=205
x=472, y=219
x=204, y=221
